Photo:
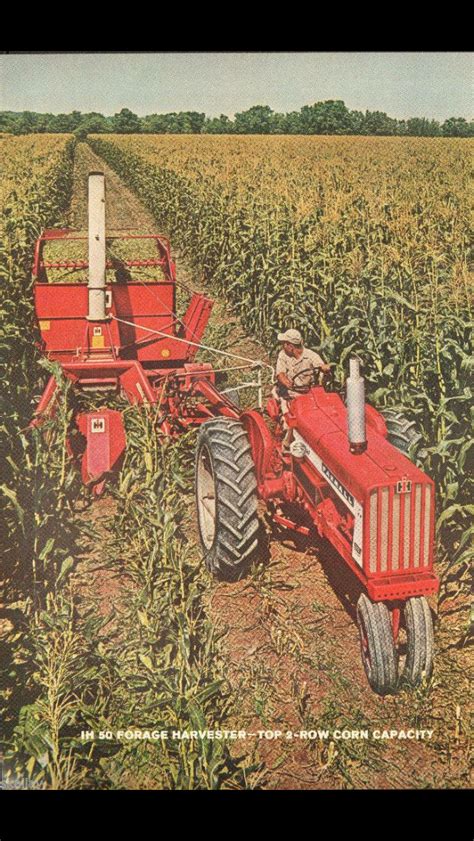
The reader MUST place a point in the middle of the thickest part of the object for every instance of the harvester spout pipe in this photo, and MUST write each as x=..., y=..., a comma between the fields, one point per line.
x=96, y=283
x=355, y=394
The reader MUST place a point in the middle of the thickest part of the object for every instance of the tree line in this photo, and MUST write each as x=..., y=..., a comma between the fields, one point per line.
x=329, y=117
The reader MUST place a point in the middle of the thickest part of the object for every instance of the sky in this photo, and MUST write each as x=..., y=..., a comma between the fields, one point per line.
x=403, y=84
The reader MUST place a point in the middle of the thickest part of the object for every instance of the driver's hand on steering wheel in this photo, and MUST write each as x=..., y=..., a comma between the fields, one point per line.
x=314, y=372
x=284, y=380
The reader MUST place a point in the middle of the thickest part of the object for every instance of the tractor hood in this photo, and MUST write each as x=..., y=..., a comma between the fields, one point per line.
x=320, y=418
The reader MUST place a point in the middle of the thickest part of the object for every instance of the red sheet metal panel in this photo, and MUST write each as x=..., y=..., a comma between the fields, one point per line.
x=321, y=419
x=61, y=310
x=105, y=445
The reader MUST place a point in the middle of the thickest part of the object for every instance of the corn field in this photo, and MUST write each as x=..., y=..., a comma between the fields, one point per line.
x=41, y=170
x=361, y=243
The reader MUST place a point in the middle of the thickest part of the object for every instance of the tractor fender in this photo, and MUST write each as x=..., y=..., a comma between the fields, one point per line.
x=375, y=420
x=261, y=442
x=273, y=408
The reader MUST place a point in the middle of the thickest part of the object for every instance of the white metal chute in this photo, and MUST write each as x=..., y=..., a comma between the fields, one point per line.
x=97, y=258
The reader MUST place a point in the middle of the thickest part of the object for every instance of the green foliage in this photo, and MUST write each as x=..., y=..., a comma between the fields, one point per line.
x=457, y=127
x=36, y=482
x=329, y=117
x=66, y=680
x=125, y=122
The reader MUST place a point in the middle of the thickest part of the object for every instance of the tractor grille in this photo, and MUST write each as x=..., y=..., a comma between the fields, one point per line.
x=399, y=529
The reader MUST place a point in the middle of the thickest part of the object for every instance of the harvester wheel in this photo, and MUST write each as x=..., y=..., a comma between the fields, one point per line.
x=226, y=498
x=377, y=646
x=402, y=432
x=419, y=641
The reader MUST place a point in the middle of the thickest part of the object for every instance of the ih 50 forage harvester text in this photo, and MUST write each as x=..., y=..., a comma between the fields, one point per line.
x=342, y=480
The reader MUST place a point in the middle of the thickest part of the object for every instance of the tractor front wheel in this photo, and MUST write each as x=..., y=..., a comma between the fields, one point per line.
x=377, y=645
x=226, y=498
x=419, y=641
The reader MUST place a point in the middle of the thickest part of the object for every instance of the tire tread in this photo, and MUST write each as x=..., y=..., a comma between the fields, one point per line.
x=236, y=541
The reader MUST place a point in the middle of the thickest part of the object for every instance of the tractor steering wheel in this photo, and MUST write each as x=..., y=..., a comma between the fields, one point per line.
x=304, y=388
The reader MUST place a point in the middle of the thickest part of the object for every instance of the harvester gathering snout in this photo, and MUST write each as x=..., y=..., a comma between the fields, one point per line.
x=341, y=481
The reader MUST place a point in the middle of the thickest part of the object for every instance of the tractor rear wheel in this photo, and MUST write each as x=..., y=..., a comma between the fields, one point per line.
x=419, y=641
x=402, y=432
x=377, y=645
x=226, y=498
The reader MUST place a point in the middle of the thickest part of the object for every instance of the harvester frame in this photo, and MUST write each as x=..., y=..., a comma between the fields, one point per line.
x=344, y=479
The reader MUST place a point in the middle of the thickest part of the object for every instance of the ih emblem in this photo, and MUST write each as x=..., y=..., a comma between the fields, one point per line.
x=404, y=486
x=98, y=425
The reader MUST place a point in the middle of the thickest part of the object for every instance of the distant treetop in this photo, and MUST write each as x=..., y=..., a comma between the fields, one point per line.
x=329, y=117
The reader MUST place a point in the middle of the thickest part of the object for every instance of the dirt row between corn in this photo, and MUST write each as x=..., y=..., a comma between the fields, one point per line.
x=290, y=642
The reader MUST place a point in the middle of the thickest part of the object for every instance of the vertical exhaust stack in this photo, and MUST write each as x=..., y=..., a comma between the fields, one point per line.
x=355, y=391
x=96, y=284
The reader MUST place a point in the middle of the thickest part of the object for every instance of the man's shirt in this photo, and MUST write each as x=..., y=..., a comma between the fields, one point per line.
x=291, y=366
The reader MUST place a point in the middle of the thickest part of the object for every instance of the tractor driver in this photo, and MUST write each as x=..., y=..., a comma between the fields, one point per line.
x=296, y=368
x=296, y=371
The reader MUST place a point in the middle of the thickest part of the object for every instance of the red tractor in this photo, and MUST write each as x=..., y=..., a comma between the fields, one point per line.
x=341, y=481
